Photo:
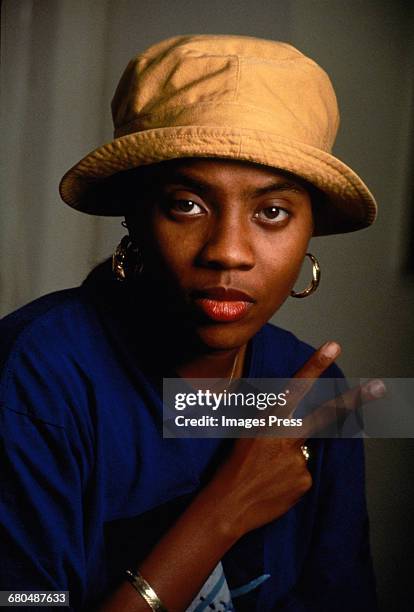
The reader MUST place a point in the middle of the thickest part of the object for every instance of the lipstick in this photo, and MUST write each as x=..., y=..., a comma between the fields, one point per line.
x=223, y=304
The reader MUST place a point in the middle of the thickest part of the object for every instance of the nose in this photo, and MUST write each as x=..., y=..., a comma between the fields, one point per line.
x=228, y=245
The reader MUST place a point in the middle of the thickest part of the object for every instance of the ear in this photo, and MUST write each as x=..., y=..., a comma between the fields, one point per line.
x=130, y=226
x=135, y=225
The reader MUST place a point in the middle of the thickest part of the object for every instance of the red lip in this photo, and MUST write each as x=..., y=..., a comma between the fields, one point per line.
x=224, y=294
x=223, y=303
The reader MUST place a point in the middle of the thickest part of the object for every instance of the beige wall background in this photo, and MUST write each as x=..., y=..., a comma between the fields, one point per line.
x=60, y=62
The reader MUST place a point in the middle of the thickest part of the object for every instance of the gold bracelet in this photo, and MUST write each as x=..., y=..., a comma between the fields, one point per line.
x=146, y=591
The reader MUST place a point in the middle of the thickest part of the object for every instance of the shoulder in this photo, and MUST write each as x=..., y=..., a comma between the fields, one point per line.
x=283, y=353
x=47, y=317
x=41, y=346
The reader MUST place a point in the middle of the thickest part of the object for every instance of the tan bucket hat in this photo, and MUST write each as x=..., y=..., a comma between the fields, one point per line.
x=234, y=97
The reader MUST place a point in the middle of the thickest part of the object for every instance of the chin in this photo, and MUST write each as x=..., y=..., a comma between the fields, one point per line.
x=222, y=337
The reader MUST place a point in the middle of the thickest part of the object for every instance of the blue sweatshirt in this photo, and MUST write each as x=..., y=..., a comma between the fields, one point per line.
x=89, y=485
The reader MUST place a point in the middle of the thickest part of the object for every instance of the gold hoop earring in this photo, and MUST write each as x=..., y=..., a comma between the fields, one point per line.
x=126, y=260
x=316, y=277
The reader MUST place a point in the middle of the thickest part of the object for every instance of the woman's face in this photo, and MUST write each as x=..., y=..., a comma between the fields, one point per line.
x=222, y=243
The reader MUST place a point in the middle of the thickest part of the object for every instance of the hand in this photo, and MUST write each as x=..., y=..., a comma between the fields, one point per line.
x=264, y=477
x=260, y=481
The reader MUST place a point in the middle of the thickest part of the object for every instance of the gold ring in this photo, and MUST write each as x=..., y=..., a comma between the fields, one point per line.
x=305, y=451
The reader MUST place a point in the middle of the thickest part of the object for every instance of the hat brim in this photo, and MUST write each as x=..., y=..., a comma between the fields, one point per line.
x=348, y=206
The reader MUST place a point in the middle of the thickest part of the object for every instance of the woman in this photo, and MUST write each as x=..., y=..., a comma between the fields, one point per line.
x=221, y=167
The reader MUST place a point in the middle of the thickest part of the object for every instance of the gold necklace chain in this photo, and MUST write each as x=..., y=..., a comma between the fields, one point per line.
x=234, y=368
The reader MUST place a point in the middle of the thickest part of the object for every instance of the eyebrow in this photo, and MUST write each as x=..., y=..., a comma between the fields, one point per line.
x=180, y=178
x=278, y=186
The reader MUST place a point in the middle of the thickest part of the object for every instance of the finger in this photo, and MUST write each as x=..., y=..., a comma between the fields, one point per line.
x=305, y=377
x=339, y=407
x=319, y=361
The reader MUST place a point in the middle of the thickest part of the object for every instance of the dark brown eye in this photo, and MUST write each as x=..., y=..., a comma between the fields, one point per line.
x=188, y=207
x=273, y=214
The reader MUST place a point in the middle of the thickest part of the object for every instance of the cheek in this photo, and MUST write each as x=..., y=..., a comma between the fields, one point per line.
x=280, y=269
x=169, y=250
